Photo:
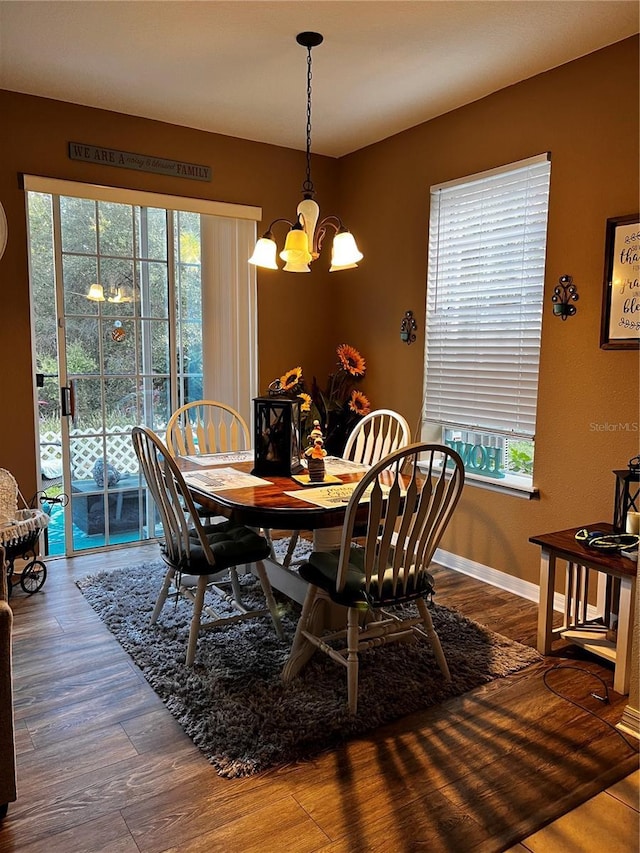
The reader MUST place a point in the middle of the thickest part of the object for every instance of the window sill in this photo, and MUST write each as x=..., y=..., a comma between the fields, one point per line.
x=507, y=485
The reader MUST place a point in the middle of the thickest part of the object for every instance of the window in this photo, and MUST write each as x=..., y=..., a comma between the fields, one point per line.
x=487, y=242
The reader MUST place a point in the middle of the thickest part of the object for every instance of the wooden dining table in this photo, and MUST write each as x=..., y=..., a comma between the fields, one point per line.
x=282, y=503
x=274, y=505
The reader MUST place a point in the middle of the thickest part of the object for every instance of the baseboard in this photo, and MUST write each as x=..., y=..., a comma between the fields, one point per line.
x=509, y=583
x=630, y=722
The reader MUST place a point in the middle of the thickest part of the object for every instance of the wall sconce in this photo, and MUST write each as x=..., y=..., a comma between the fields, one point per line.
x=408, y=328
x=564, y=293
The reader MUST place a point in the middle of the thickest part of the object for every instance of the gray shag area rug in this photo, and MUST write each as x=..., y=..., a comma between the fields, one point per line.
x=232, y=702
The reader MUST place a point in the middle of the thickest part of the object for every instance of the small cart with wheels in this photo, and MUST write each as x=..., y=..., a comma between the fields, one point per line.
x=20, y=528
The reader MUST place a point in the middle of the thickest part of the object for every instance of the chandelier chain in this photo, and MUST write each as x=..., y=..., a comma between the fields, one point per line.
x=307, y=186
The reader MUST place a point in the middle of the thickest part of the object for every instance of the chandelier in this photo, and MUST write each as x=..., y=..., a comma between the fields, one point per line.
x=306, y=235
x=120, y=292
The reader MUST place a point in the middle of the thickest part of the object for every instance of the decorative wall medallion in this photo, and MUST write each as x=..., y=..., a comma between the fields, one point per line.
x=118, y=333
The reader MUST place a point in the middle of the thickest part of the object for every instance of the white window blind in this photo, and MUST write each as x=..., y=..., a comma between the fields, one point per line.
x=487, y=242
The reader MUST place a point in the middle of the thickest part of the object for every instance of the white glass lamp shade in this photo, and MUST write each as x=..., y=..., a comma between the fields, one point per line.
x=296, y=250
x=96, y=293
x=121, y=294
x=344, y=252
x=338, y=267
x=294, y=266
x=264, y=254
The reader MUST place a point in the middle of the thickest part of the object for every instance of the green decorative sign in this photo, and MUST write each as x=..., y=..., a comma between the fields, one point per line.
x=139, y=162
x=479, y=459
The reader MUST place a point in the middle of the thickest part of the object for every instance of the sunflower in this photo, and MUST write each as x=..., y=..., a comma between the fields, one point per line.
x=359, y=404
x=306, y=402
x=350, y=360
x=291, y=378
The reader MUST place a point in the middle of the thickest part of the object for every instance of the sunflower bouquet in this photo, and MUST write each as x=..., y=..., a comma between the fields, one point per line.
x=339, y=404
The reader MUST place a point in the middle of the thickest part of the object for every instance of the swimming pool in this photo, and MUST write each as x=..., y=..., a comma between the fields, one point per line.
x=54, y=534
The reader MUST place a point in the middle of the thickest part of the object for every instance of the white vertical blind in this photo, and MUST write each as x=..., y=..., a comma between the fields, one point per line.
x=229, y=311
x=487, y=243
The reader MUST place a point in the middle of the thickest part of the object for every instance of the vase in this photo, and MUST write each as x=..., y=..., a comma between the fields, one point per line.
x=337, y=430
x=315, y=467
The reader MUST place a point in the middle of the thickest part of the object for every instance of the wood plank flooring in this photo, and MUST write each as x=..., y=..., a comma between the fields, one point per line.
x=103, y=766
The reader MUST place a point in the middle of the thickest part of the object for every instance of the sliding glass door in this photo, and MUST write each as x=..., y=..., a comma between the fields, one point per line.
x=118, y=294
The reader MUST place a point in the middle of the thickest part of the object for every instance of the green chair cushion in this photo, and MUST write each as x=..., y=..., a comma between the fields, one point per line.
x=321, y=569
x=232, y=545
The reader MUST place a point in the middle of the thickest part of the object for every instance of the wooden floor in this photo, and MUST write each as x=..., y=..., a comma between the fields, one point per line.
x=102, y=765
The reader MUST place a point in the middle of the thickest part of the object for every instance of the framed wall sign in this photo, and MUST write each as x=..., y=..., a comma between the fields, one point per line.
x=620, y=327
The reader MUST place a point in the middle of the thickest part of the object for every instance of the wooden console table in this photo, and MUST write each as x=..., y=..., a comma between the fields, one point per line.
x=616, y=592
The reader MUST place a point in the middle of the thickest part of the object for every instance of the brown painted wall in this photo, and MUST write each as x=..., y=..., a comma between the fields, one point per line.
x=34, y=137
x=585, y=113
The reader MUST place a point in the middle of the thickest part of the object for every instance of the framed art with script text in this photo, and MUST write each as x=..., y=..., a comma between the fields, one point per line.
x=620, y=327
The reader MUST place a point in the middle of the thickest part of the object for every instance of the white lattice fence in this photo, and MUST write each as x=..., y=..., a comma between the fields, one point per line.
x=50, y=447
x=86, y=450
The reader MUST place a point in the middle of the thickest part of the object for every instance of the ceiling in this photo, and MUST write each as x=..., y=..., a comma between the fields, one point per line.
x=235, y=67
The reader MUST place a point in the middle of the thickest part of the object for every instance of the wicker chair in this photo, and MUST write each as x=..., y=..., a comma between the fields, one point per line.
x=20, y=528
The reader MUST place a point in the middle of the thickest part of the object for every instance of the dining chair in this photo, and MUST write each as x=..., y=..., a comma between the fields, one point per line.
x=199, y=558
x=206, y=426
x=410, y=495
x=373, y=437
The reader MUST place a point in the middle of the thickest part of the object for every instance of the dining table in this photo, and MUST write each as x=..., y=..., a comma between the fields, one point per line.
x=223, y=483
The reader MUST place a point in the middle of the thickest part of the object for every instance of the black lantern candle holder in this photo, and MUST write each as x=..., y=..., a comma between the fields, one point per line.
x=627, y=494
x=276, y=436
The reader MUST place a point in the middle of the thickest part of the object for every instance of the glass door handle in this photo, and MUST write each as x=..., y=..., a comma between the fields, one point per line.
x=68, y=400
